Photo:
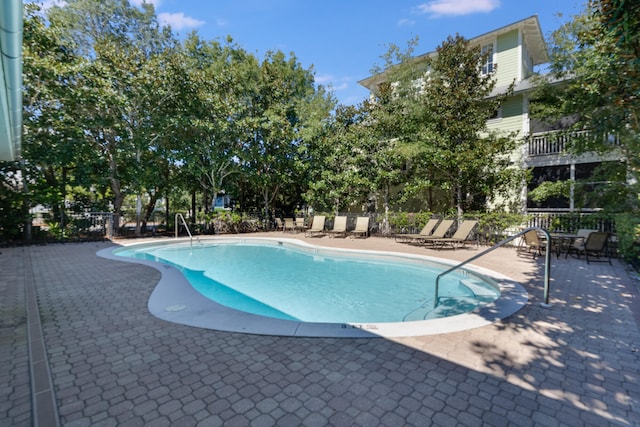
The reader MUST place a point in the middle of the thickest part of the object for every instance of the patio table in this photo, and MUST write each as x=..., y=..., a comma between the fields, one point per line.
x=563, y=242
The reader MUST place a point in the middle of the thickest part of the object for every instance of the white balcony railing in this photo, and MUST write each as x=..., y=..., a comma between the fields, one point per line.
x=557, y=142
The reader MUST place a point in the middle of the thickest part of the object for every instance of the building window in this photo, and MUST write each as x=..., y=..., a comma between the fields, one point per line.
x=497, y=114
x=487, y=65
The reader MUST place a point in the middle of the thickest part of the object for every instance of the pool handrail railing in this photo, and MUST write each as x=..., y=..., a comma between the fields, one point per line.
x=180, y=216
x=547, y=263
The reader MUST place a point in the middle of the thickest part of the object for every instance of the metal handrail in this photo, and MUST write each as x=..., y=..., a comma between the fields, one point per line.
x=180, y=216
x=547, y=263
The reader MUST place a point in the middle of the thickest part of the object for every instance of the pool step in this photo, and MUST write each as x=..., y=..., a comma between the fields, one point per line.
x=478, y=289
x=446, y=304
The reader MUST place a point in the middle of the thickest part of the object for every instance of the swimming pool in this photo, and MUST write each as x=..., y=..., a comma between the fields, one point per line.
x=282, y=282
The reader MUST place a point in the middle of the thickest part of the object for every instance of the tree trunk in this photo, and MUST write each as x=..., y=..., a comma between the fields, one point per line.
x=167, y=212
x=118, y=199
x=459, y=201
x=118, y=196
x=430, y=199
x=387, y=229
x=266, y=204
x=193, y=207
x=153, y=198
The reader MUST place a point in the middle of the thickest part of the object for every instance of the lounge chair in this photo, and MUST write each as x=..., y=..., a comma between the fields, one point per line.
x=362, y=227
x=459, y=238
x=279, y=225
x=441, y=230
x=289, y=225
x=530, y=241
x=317, y=227
x=596, y=244
x=339, y=227
x=426, y=231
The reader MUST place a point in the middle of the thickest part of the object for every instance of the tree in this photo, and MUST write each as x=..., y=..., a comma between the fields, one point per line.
x=54, y=154
x=284, y=108
x=116, y=91
x=336, y=180
x=438, y=106
x=594, y=55
x=217, y=82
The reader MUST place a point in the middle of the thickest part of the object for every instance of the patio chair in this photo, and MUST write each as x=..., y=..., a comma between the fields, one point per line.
x=317, y=227
x=300, y=225
x=596, y=244
x=279, y=225
x=427, y=230
x=530, y=241
x=339, y=227
x=577, y=243
x=289, y=225
x=362, y=227
x=459, y=238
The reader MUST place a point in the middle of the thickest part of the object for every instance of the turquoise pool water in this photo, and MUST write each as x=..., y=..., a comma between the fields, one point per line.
x=285, y=281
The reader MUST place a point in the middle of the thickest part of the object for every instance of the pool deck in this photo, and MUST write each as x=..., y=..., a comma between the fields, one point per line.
x=79, y=348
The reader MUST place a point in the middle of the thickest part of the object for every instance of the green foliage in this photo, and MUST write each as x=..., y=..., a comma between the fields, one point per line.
x=549, y=189
x=409, y=220
x=628, y=233
x=594, y=56
x=339, y=175
x=116, y=106
x=498, y=220
x=441, y=121
x=12, y=218
x=56, y=230
x=495, y=226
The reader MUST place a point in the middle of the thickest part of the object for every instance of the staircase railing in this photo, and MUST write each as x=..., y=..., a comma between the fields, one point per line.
x=547, y=263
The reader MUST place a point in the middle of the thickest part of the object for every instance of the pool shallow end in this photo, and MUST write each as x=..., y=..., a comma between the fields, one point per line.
x=175, y=300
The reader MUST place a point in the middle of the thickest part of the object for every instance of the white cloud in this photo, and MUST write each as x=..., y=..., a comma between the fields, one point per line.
x=406, y=22
x=336, y=83
x=178, y=21
x=221, y=22
x=341, y=86
x=438, y=8
x=323, y=79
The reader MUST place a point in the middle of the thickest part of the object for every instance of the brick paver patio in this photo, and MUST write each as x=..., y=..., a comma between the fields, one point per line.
x=98, y=358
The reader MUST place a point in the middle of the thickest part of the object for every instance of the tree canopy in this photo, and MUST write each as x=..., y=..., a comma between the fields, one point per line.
x=118, y=107
x=596, y=81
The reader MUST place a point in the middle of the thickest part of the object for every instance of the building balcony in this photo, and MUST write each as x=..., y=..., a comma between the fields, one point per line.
x=550, y=143
x=557, y=142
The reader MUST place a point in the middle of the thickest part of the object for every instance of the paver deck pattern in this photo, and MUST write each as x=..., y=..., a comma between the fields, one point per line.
x=112, y=363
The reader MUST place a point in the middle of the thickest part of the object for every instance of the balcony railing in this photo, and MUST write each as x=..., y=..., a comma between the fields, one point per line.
x=557, y=142
x=543, y=144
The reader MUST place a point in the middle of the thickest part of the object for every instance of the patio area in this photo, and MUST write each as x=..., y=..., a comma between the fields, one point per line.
x=79, y=348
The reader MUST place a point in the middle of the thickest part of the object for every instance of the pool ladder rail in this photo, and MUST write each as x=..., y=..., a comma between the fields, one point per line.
x=184, y=222
x=547, y=263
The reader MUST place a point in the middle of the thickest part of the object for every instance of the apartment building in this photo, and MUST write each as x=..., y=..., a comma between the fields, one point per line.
x=517, y=52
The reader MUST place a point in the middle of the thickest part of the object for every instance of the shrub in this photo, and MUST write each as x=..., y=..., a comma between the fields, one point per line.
x=628, y=234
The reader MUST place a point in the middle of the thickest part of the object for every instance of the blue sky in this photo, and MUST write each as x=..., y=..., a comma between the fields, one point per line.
x=344, y=39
